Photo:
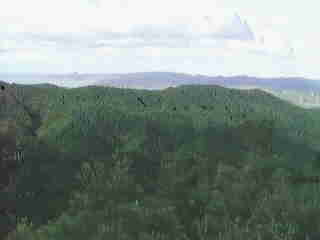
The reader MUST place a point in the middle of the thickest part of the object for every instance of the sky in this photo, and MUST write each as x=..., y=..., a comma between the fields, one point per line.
x=211, y=37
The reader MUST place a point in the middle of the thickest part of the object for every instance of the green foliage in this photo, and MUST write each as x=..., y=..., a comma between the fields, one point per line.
x=103, y=166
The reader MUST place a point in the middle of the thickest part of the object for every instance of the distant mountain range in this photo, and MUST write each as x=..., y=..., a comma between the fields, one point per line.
x=160, y=80
x=301, y=91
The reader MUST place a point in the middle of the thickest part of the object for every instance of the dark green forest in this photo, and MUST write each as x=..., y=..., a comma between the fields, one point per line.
x=189, y=163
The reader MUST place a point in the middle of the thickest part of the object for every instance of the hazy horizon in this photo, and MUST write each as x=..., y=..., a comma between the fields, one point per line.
x=138, y=72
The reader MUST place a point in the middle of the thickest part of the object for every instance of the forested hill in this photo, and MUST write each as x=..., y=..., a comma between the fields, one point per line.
x=205, y=104
x=164, y=147
x=49, y=111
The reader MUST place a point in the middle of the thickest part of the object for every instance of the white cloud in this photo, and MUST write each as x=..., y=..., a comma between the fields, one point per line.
x=236, y=29
x=203, y=36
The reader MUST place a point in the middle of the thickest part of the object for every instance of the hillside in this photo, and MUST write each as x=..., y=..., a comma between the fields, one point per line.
x=95, y=150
